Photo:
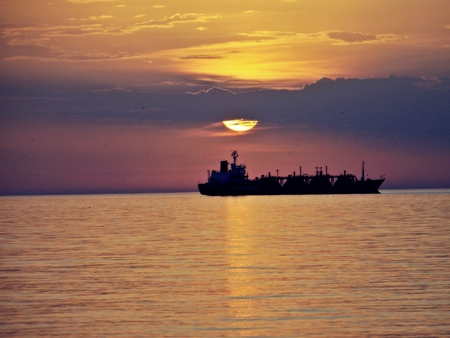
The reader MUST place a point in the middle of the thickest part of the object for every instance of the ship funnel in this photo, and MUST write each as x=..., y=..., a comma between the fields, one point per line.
x=223, y=166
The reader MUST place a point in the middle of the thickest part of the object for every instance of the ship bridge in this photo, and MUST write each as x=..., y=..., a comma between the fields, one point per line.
x=237, y=173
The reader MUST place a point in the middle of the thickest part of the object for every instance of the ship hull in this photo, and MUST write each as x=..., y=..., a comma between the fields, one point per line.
x=253, y=188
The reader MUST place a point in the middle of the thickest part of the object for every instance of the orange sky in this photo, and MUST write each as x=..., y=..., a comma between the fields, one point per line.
x=277, y=44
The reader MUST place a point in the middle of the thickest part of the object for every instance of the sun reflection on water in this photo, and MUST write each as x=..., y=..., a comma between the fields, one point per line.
x=242, y=282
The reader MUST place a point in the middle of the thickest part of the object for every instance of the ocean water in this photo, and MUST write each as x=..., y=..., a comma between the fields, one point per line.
x=185, y=265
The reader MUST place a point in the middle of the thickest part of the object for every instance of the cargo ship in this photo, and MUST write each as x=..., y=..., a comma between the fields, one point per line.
x=234, y=181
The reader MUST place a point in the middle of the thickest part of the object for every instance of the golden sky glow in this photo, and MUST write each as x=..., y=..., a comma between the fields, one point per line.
x=279, y=44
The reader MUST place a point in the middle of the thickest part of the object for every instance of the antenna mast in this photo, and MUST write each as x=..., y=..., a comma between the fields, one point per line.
x=362, y=177
x=235, y=155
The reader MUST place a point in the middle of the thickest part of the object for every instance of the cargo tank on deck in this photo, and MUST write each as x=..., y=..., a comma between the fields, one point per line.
x=233, y=181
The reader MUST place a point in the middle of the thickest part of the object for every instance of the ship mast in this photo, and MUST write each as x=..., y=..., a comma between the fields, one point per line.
x=235, y=155
x=362, y=177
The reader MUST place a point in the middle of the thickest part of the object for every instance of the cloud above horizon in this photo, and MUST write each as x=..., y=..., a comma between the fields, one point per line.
x=351, y=36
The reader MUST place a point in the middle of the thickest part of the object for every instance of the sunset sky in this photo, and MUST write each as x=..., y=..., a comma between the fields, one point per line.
x=129, y=95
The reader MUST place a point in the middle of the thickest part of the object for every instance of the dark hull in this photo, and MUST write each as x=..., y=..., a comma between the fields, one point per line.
x=256, y=188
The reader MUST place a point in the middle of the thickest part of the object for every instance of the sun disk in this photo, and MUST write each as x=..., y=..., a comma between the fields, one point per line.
x=240, y=124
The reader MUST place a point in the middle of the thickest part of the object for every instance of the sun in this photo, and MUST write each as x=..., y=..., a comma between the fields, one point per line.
x=240, y=124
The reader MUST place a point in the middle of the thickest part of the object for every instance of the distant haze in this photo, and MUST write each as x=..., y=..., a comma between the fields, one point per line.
x=151, y=142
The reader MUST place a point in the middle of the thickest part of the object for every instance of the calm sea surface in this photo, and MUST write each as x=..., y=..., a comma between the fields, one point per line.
x=185, y=265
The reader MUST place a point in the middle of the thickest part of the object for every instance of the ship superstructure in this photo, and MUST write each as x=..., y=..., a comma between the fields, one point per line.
x=234, y=181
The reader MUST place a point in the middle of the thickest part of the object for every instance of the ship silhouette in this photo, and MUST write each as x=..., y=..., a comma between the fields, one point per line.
x=234, y=181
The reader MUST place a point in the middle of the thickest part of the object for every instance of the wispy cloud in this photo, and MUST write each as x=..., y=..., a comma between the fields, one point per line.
x=89, y=1
x=358, y=37
x=28, y=42
x=170, y=22
x=45, y=31
x=343, y=36
x=351, y=36
x=200, y=57
x=268, y=34
x=93, y=18
x=43, y=35
x=215, y=129
x=205, y=91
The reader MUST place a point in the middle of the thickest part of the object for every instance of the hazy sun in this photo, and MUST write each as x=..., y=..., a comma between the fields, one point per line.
x=240, y=124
